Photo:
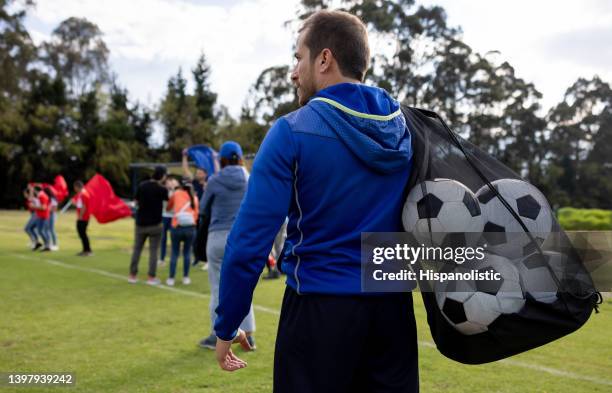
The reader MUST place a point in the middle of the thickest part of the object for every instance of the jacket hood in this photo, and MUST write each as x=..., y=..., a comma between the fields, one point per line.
x=232, y=177
x=369, y=122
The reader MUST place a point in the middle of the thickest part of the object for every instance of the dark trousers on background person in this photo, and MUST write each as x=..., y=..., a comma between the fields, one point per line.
x=166, y=226
x=82, y=231
x=180, y=235
x=199, y=245
x=141, y=233
x=346, y=344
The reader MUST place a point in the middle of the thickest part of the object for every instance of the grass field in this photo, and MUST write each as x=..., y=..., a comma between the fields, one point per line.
x=63, y=313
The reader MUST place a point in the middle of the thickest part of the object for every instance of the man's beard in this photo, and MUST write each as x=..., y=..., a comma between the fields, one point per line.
x=308, y=90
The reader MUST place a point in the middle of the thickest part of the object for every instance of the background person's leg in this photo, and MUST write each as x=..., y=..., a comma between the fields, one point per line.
x=189, y=237
x=199, y=245
x=79, y=227
x=42, y=229
x=248, y=323
x=139, y=240
x=215, y=248
x=154, y=233
x=166, y=223
x=176, y=246
x=30, y=229
x=52, y=233
x=82, y=224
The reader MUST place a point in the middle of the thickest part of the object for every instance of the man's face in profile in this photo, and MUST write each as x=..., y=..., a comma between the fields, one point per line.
x=303, y=72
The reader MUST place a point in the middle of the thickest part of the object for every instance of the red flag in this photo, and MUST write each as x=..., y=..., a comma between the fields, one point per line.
x=60, y=188
x=103, y=203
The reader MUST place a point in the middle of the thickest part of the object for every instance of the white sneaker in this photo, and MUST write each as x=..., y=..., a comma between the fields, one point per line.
x=153, y=281
x=186, y=280
x=132, y=279
x=55, y=248
x=170, y=282
x=161, y=263
x=205, y=266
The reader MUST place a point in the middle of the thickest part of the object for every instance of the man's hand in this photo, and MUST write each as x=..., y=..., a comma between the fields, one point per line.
x=226, y=358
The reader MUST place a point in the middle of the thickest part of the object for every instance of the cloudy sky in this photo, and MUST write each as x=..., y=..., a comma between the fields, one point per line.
x=550, y=43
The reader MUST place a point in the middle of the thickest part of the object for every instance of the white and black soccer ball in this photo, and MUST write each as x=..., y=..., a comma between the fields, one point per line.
x=573, y=277
x=504, y=234
x=472, y=306
x=446, y=212
x=538, y=277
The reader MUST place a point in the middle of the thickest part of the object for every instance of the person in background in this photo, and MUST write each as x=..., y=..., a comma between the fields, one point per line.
x=82, y=205
x=184, y=206
x=276, y=256
x=43, y=211
x=171, y=185
x=52, y=217
x=150, y=196
x=221, y=202
x=198, y=180
x=199, y=185
x=30, y=227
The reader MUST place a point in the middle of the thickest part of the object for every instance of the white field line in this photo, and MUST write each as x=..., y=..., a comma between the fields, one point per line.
x=124, y=278
x=427, y=344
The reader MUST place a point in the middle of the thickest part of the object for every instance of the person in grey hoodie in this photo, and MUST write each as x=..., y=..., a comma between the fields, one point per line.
x=221, y=201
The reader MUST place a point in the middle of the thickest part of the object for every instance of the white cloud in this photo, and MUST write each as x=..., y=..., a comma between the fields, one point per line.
x=150, y=39
x=530, y=34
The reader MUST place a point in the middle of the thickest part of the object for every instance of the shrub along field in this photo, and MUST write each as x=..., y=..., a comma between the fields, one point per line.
x=585, y=219
x=64, y=313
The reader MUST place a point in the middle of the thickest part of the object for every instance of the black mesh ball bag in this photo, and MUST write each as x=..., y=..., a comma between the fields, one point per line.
x=546, y=291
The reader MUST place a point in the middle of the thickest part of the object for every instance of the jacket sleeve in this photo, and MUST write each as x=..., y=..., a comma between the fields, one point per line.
x=261, y=214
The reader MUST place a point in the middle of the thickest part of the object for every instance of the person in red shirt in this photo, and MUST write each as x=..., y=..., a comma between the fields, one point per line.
x=30, y=227
x=52, y=218
x=83, y=213
x=42, y=209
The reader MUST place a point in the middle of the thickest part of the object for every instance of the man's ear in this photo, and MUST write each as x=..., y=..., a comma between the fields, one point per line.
x=325, y=59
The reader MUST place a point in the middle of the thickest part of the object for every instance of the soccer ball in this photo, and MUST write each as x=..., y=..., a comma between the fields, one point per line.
x=472, y=306
x=572, y=275
x=539, y=279
x=503, y=233
x=447, y=214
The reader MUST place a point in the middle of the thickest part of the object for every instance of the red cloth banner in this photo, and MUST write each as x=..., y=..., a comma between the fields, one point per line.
x=103, y=203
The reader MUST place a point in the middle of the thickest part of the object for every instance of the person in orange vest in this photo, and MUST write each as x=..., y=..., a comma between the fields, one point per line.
x=83, y=211
x=184, y=205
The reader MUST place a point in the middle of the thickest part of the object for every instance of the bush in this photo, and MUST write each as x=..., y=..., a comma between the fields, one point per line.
x=585, y=219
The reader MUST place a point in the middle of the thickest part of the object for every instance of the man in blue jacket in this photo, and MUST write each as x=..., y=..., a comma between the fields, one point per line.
x=336, y=167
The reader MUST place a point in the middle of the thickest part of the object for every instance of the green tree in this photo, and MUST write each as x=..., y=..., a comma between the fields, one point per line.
x=205, y=99
x=78, y=54
x=580, y=139
x=271, y=96
x=188, y=119
x=17, y=51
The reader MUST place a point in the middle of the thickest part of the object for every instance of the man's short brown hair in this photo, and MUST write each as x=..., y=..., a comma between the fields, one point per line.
x=342, y=33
